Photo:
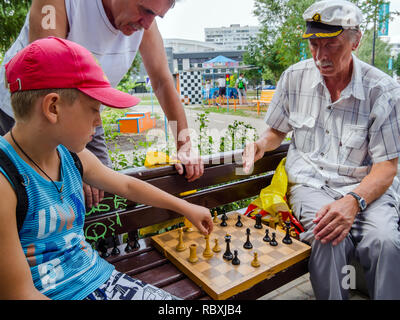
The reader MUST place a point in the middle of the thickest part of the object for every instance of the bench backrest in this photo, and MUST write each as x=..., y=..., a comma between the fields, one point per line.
x=221, y=183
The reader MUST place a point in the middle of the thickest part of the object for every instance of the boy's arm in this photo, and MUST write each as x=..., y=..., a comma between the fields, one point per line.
x=15, y=276
x=270, y=140
x=104, y=178
x=40, y=23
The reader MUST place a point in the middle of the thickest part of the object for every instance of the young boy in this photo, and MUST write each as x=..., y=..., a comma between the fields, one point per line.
x=48, y=256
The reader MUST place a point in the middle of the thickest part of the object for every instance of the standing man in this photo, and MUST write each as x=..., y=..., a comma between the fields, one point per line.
x=343, y=157
x=113, y=31
x=241, y=86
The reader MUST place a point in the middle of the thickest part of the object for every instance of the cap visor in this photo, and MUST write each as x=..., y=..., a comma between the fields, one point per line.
x=111, y=97
x=320, y=30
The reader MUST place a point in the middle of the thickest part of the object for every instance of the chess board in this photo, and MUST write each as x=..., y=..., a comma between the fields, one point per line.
x=219, y=277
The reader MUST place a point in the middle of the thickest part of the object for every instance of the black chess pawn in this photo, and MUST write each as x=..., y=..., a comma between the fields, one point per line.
x=115, y=251
x=128, y=247
x=224, y=218
x=287, y=239
x=228, y=254
x=247, y=244
x=235, y=260
x=266, y=237
x=258, y=224
x=273, y=241
x=136, y=244
x=102, y=248
x=239, y=222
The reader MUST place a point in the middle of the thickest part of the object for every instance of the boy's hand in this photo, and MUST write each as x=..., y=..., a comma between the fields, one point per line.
x=93, y=196
x=201, y=218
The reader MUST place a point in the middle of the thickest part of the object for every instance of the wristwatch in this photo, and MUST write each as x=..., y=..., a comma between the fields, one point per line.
x=362, y=204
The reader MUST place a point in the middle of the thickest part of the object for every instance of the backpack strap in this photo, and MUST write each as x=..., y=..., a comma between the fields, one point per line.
x=78, y=162
x=19, y=184
x=19, y=187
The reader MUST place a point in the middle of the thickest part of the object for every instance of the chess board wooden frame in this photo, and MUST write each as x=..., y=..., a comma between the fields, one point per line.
x=219, y=278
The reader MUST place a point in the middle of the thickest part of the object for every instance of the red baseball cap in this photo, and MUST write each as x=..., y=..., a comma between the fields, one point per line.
x=55, y=63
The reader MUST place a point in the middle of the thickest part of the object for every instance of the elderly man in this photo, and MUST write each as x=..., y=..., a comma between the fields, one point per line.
x=343, y=158
x=114, y=31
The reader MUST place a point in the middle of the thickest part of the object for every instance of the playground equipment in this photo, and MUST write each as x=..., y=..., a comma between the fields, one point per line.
x=135, y=122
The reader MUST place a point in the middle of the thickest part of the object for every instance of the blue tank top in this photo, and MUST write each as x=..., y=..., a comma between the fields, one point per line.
x=63, y=265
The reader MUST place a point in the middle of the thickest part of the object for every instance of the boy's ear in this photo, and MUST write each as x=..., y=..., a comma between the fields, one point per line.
x=51, y=107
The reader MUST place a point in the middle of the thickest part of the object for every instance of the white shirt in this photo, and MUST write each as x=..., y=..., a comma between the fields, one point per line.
x=90, y=27
x=335, y=144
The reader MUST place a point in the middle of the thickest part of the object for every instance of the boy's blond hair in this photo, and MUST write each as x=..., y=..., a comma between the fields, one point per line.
x=22, y=102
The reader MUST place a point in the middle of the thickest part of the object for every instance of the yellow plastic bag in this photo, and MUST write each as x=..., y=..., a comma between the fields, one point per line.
x=272, y=205
x=156, y=159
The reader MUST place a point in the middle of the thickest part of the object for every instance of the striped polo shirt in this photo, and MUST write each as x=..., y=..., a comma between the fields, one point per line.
x=335, y=144
x=63, y=265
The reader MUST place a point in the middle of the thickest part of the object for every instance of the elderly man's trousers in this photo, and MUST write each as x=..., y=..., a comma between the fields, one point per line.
x=374, y=240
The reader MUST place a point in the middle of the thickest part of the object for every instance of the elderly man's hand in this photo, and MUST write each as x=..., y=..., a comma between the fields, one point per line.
x=93, y=196
x=333, y=221
x=193, y=164
x=252, y=153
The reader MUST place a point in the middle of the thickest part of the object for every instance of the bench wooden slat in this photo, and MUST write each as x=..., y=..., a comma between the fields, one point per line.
x=185, y=289
x=161, y=276
x=140, y=263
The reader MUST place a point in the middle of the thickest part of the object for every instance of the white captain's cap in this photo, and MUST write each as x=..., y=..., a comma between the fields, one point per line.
x=328, y=18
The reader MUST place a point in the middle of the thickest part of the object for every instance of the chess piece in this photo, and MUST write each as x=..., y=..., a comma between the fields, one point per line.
x=228, y=254
x=180, y=246
x=207, y=253
x=224, y=218
x=266, y=237
x=273, y=241
x=193, y=254
x=188, y=226
x=287, y=239
x=128, y=247
x=235, y=260
x=136, y=244
x=247, y=244
x=115, y=251
x=258, y=224
x=102, y=248
x=255, y=263
x=215, y=220
x=239, y=221
x=216, y=248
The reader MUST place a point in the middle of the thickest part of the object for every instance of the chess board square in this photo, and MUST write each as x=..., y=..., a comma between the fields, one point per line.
x=172, y=243
x=166, y=237
x=285, y=250
x=211, y=273
x=265, y=248
x=221, y=280
x=265, y=259
x=245, y=257
x=233, y=274
x=203, y=266
x=276, y=254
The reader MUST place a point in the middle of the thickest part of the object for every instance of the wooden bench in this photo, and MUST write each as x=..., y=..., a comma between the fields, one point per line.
x=219, y=185
x=266, y=97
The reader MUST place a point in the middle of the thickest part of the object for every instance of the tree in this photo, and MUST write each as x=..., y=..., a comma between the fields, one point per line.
x=278, y=45
x=12, y=18
x=382, y=51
